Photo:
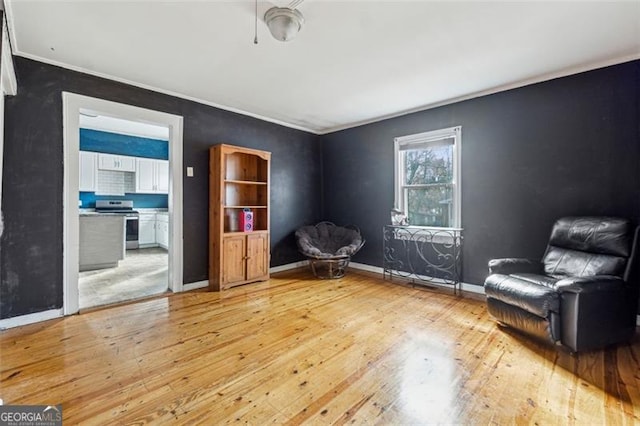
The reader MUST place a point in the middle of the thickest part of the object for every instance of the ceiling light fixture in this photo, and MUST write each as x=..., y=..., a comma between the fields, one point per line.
x=284, y=23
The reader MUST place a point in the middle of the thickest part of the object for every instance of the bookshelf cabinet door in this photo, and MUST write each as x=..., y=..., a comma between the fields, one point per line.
x=233, y=259
x=257, y=254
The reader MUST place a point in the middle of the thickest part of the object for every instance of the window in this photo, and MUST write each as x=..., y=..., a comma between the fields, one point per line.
x=427, y=177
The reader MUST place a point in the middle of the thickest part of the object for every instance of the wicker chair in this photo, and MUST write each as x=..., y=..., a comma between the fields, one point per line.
x=329, y=247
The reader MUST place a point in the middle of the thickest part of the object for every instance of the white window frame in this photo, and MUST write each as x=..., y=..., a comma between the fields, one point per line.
x=423, y=139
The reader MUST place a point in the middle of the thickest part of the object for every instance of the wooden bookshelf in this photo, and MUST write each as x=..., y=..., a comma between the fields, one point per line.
x=238, y=181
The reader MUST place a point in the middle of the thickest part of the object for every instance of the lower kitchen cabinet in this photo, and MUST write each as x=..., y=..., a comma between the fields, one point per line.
x=154, y=230
x=101, y=241
x=245, y=258
x=147, y=230
x=162, y=230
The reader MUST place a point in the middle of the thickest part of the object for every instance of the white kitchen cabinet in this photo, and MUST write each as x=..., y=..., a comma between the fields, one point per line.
x=127, y=164
x=120, y=163
x=145, y=179
x=152, y=176
x=88, y=166
x=147, y=230
x=162, y=230
x=162, y=175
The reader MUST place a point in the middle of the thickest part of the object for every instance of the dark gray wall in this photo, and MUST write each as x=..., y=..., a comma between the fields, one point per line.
x=530, y=155
x=569, y=146
x=31, y=246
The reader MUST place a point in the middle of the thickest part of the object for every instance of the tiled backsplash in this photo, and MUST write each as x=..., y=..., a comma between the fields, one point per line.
x=129, y=182
x=115, y=183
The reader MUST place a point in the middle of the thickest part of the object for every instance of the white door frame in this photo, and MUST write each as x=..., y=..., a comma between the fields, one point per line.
x=71, y=104
x=8, y=86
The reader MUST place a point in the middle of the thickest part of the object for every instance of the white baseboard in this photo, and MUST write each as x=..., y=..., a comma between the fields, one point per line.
x=478, y=289
x=281, y=268
x=30, y=318
x=471, y=288
x=289, y=266
x=143, y=246
x=58, y=313
x=195, y=286
x=364, y=267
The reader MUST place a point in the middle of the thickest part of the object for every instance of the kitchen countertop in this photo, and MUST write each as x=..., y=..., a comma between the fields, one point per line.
x=82, y=214
x=92, y=212
x=149, y=211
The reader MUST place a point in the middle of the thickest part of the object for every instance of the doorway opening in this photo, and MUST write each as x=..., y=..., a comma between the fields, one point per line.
x=109, y=194
x=123, y=200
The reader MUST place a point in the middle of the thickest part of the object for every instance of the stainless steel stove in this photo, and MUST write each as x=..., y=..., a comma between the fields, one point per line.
x=132, y=218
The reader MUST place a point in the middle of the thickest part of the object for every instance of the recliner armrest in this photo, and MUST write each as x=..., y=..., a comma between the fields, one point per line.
x=590, y=284
x=513, y=265
x=596, y=311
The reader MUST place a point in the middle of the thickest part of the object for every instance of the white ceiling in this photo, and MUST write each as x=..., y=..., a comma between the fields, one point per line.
x=96, y=121
x=353, y=62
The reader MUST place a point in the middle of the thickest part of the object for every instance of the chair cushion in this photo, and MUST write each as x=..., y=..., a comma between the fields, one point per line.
x=539, y=279
x=562, y=262
x=525, y=294
x=326, y=240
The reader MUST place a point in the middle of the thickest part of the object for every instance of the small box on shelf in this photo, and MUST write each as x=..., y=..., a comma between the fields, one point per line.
x=245, y=220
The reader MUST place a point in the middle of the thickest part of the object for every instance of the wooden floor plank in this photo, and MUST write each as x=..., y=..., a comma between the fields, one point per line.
x=294, y=349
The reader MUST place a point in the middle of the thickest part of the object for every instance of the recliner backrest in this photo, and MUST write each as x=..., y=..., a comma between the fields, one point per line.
x=586, y=246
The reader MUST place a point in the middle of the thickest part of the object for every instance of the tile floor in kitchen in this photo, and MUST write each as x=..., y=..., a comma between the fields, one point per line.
x=141, y=273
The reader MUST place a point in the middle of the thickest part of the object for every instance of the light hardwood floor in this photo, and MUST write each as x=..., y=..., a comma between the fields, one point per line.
x=298, y=350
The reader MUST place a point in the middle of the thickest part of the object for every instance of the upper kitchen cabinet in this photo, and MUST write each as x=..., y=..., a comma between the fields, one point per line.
x=152, y=176
x=162, y=174
x=88, y=166
x=120, y=163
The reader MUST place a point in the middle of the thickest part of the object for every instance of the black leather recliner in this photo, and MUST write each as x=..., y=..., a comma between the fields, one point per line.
x=582, y=295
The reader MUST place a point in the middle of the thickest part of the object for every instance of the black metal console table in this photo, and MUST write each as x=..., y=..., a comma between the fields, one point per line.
x=423, y=254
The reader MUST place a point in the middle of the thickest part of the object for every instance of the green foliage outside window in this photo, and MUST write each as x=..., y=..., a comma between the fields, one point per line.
x=428, y=185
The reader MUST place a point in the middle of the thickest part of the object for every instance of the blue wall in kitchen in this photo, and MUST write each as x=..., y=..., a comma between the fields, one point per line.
x=135, y=146
x=113, y=143
x=149, y=201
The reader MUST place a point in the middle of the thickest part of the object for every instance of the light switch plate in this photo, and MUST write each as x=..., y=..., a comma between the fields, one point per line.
x=189, y=171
